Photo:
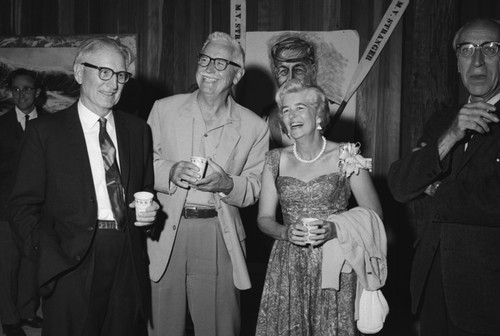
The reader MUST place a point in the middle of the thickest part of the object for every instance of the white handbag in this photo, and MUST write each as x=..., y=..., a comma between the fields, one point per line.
x=373, y=309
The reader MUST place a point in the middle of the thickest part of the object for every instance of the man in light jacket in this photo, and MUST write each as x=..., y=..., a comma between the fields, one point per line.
x=198, y=257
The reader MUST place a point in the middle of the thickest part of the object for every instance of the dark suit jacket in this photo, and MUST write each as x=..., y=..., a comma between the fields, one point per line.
x=11, y=134
x=53, y=202
x=463, y=221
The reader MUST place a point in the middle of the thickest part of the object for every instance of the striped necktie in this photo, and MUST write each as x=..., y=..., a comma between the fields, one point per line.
x=113, y=180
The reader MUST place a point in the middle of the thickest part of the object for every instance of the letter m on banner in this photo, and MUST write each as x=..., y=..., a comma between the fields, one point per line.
x=238, y=21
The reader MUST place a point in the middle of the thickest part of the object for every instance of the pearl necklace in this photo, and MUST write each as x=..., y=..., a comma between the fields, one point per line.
x=314, y=159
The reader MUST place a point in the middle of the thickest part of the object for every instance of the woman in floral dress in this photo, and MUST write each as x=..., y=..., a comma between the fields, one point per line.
x=309, y=180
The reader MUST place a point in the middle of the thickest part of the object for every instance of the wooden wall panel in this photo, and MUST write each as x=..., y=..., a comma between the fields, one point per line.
x=149, y=37
x=66, y=10
x=183, y=36
x=220, y=18
x=7, y=18
x=170, y=34
x=430, y=80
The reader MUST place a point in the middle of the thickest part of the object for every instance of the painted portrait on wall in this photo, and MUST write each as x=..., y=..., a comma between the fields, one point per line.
x=51, y=57
x=336, y=55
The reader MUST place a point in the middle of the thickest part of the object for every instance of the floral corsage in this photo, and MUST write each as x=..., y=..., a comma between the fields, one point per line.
x=350, y=161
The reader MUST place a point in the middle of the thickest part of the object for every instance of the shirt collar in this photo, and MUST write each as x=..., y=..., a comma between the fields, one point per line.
x=21, y=115
x=89, y=119
x=493, y=100
x=228, y=117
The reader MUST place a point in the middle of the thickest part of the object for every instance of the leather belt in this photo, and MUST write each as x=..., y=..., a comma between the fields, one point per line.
x=194, y=212
x=107, y=225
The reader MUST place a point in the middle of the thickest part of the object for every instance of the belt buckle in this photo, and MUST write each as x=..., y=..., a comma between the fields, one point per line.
x=189, y=212
x=107, y=225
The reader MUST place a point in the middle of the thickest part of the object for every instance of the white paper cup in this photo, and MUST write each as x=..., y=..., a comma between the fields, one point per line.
x=143, y=199
x=201, y=163
x=306, y=222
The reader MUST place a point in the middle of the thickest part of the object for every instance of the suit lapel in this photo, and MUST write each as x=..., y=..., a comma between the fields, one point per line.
x=76, y=143
x=188, y=121
x=228, y=142
x=472, y=146
x=16, y=126
x=230, y=136
x=477, y=141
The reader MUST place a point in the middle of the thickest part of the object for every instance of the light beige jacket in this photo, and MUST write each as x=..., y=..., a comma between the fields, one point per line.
x=241, y=153
x=361, y=245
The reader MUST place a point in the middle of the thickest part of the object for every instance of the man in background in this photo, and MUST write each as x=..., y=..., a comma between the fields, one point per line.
x=198, y=259
x=455, y=171
x=71, y=203
x=19, y=299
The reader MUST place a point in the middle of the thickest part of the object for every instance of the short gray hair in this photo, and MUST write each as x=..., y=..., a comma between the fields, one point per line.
x=94, y=44
x=319, y=102
x=238, y=54
x=483, y=21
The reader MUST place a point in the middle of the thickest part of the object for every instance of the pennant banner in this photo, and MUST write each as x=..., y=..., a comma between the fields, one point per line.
x=372, y=51
x=238, y=21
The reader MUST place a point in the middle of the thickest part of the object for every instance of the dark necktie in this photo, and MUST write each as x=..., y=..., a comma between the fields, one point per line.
x=26, y=119
x=113, y=181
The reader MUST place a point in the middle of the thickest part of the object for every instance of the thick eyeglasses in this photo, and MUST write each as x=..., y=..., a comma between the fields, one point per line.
x=106, y=73
x=25, y=90
x=219, y=63
x=467, y=49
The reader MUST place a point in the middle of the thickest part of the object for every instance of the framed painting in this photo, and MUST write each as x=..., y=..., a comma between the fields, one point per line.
x=51, y=57
x=337, y=55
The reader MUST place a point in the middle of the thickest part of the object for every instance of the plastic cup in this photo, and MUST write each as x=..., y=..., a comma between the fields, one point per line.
x=143, y=199
x=307, y=223
x=201, y=163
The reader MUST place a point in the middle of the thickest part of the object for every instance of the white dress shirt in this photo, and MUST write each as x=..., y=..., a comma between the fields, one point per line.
x=21, y=116
x=90, y=125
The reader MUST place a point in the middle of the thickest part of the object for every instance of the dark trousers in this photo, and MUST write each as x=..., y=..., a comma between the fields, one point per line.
x=434, y=318
x=18, y=290
x=100, y=297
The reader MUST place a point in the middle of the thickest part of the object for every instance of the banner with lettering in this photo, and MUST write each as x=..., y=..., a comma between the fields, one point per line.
x=238, y=21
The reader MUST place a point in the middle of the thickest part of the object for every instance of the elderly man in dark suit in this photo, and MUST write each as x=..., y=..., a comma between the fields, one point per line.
x=78, y=170
x=19, y=299
x=455, y=171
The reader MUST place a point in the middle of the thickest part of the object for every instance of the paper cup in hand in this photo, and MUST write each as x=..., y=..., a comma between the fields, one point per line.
x=201, y=163
x=306, y=222
x=143, y=199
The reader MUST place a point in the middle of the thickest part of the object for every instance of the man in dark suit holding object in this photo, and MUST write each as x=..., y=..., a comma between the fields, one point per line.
x=19, y=299
x=455, y=171
x=72, y=203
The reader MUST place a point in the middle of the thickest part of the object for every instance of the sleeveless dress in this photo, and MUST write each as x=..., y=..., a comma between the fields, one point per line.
x=293, y=302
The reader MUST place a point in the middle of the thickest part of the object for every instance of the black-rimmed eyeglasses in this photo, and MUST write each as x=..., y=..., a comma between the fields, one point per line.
x=468, y=49
x=106, y=73
x=219, y=63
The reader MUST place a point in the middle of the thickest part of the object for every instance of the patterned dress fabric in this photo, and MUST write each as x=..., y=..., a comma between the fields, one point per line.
x=293, y=302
